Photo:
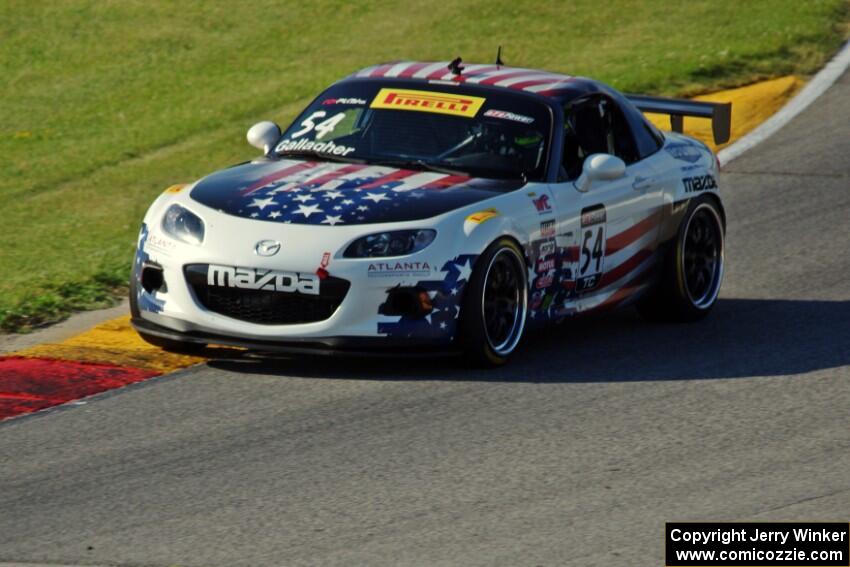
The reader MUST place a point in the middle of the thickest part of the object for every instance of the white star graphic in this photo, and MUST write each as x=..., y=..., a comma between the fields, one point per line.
x=274, y=214
x=362, y=208
x=443, y=325
x=337, y=208
x=262, y=203
x=454, y=291
x=332, y=220
x=377, y=197
x=302, y=198
x=308, y=210
x=465, y=271
x=333, y=194
x=347, y=202
x=254, y=215
x=417, y=194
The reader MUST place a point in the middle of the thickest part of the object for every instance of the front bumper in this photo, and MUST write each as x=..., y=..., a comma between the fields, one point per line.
x=377, y=347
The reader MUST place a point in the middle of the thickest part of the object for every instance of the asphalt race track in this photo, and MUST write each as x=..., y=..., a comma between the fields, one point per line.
x=576, y=454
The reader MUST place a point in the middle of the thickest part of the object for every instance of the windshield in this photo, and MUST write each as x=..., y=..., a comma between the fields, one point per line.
x=439, y=127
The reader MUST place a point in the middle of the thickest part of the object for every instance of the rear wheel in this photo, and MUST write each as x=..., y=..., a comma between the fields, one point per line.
x=692, y=269
x=495, y=305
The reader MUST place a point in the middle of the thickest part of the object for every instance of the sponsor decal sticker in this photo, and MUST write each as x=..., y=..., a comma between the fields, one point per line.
x=354, y=101
x=685, y=152
x=322, y=271
x=594, y=216
x=398, y=269
x=505, y=115
x=547, y=229
x=545, y=265
x=699, y=183
x=541, y=203
x=160, y=243
x=544, y=282
x=482, y=216
x=428, y=101
x=547, y=248
x=269, y=280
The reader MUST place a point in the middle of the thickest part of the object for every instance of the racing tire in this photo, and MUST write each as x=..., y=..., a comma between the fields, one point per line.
x=495, y=305
x=169, y=345
x=692, y=267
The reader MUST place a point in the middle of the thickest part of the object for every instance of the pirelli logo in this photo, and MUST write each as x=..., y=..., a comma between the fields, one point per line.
x=428, y=101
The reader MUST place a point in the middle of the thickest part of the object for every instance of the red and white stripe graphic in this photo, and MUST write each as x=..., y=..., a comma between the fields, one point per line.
x=515, y=78
x=628, y=257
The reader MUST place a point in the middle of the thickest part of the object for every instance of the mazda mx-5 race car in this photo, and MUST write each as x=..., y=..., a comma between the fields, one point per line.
x=417, y=206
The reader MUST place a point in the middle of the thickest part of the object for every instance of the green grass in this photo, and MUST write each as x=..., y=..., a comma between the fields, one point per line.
x=105, y=103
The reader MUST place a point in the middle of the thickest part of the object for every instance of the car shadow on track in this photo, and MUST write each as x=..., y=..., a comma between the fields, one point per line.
x=741, y=338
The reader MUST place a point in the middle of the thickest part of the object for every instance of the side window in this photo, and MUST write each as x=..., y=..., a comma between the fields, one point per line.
x=594, y=125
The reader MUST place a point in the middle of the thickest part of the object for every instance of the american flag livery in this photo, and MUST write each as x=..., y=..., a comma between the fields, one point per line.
x=515, y=78
x=445, y=294
x=329, y=194
x=628, y=256
x=145, y=301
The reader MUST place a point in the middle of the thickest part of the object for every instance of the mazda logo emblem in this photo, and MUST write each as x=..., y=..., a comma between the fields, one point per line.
x=267, y=248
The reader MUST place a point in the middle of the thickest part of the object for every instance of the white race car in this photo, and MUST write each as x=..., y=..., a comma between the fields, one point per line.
x=415, y=207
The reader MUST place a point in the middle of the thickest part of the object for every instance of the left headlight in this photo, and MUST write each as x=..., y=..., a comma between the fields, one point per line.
x=395, y=243
x=183, y=224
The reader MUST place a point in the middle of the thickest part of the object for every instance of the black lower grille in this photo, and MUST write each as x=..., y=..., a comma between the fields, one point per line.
x=262, y=306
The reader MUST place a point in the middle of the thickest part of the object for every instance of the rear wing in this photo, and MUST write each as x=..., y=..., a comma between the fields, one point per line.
x=720, y=113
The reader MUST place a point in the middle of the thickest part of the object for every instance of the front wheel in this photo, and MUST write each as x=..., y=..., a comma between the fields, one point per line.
x=495, y=305
x=692, y=269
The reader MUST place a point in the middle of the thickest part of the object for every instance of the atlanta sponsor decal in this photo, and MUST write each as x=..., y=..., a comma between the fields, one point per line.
x=699, y=183
x=428, y=101
x=547, y=229
x=505, y=115
x=398, y=269
x=269, y=280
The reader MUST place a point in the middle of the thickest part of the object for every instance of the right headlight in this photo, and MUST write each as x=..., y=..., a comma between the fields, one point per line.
x=392, y=243
x=183, y=224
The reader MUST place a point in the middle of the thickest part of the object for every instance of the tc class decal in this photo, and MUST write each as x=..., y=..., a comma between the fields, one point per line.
x=591, y=248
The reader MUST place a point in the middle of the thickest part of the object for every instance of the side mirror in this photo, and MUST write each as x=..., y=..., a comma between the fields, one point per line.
x=263, y=135
x=599, y=167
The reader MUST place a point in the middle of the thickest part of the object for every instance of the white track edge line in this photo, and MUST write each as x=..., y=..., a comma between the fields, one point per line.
x=825, y=78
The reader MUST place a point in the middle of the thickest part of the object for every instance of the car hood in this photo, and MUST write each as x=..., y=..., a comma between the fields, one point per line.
x=322, y=193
